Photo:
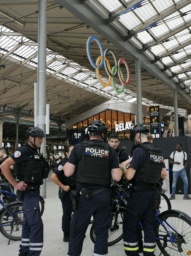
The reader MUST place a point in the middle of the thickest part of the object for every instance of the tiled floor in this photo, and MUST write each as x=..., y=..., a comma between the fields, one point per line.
x=53, y=244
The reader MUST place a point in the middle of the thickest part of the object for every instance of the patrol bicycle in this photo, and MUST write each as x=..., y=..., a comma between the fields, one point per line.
x=8, y=196
x=11, y=220
x=173, y=228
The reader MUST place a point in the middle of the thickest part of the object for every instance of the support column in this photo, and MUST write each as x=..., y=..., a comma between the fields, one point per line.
x=176, y=126
x=139, y=90
x=1, y=133
x=41, y=76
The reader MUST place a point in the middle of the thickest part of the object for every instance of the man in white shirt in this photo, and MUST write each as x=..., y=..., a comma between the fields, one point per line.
x=179, y=160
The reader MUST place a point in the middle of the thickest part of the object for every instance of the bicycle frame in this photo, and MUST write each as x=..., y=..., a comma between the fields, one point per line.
x=163, y=224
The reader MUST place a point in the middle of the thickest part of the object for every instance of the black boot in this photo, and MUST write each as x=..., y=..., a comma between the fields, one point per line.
x=66, y=237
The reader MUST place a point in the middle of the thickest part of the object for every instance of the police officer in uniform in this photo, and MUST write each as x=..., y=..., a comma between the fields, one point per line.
x=29, y=171
x=65, y=185
x=96, y=164
x=145, y=170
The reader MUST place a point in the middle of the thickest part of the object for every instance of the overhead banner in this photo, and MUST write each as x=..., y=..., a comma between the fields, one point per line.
x=155, y=121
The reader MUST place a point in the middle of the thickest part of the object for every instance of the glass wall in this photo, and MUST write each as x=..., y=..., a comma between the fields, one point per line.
x=111, y=118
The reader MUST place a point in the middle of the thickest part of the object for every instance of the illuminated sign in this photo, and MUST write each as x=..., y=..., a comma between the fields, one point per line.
x=124, y=126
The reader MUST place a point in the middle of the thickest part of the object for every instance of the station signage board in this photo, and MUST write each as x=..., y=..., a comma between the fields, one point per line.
x=124, y=126
x=155, y=121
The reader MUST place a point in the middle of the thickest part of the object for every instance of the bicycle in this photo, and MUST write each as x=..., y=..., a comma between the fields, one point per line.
x=9, y=196
x=173, y=228
x=11, y=220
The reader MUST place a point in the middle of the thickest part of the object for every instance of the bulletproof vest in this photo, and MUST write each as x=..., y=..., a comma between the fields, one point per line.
x=30, y=170
x=93, y=168
x=150, y=171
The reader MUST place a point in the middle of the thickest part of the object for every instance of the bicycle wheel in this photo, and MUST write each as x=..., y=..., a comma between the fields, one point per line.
x=173, y=233
x=11, y=223
x=115, y=232
x=41, y=205
x=165, y=203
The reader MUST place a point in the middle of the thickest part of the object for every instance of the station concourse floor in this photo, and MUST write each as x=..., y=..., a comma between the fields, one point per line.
x=53, y=237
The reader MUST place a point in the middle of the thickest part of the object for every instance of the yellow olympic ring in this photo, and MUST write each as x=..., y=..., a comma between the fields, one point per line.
x=99, y=59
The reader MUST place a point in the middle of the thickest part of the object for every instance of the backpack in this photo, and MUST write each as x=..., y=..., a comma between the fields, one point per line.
x=183, y=153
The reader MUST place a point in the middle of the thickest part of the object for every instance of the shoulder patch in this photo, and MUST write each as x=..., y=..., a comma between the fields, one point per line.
x=17, y=154
x=60, y=167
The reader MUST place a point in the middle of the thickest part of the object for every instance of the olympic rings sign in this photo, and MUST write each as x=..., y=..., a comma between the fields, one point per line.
x=102, y=61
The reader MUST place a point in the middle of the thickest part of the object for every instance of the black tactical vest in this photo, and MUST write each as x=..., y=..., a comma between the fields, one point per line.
x=30, y=170
x=150, y=171
x=93, y=168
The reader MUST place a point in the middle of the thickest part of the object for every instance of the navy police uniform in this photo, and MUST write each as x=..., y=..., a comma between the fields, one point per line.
x=28, y=168
x=65, y=197
x=94, y=160
x=148, y=163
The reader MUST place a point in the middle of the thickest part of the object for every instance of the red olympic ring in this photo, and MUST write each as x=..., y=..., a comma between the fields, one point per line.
x=111, y=72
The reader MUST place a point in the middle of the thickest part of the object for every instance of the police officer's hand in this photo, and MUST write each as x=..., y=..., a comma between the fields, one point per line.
x=66, y=188
x=21, y=185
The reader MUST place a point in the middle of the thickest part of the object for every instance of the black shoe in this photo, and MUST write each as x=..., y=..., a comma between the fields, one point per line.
x=66, y=237
x=172, y=197
x=186, y=197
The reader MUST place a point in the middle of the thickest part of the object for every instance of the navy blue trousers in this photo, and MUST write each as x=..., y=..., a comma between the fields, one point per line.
x=32, y=232
x=140, y=209
x=67, y=213
x=100, y=207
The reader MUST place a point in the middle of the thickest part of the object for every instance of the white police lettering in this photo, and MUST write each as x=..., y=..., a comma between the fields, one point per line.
x=156, y=158
x=96, y=152
x=123, y=126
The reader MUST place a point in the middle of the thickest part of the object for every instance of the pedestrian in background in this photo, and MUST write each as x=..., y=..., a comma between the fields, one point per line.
x=178, y=159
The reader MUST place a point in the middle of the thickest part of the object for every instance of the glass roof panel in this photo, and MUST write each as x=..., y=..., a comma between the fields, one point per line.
x=159, y=30
x=80, y=76
x=146, y=12
x=144, y=37
x=129, y=20
x=56, y=65
x=167, y=60
x=25, y=51
x=158, y=49
x=162, y=5
x=69, y=70
x=183, y=35
x=110, y=5
x=174, y=20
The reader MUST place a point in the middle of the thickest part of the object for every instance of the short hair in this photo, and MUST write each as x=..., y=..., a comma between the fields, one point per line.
x=4, y=150
x=113, y=136
x=67, y=149
x=180, y=144
x=149, y=137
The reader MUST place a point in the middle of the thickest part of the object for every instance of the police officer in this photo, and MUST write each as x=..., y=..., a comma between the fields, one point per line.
x=29, y=172
x=65, y=185
x=96, y=164
x=145, y=170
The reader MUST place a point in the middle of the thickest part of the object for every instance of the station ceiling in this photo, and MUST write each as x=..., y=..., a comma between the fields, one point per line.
x=156, y=32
